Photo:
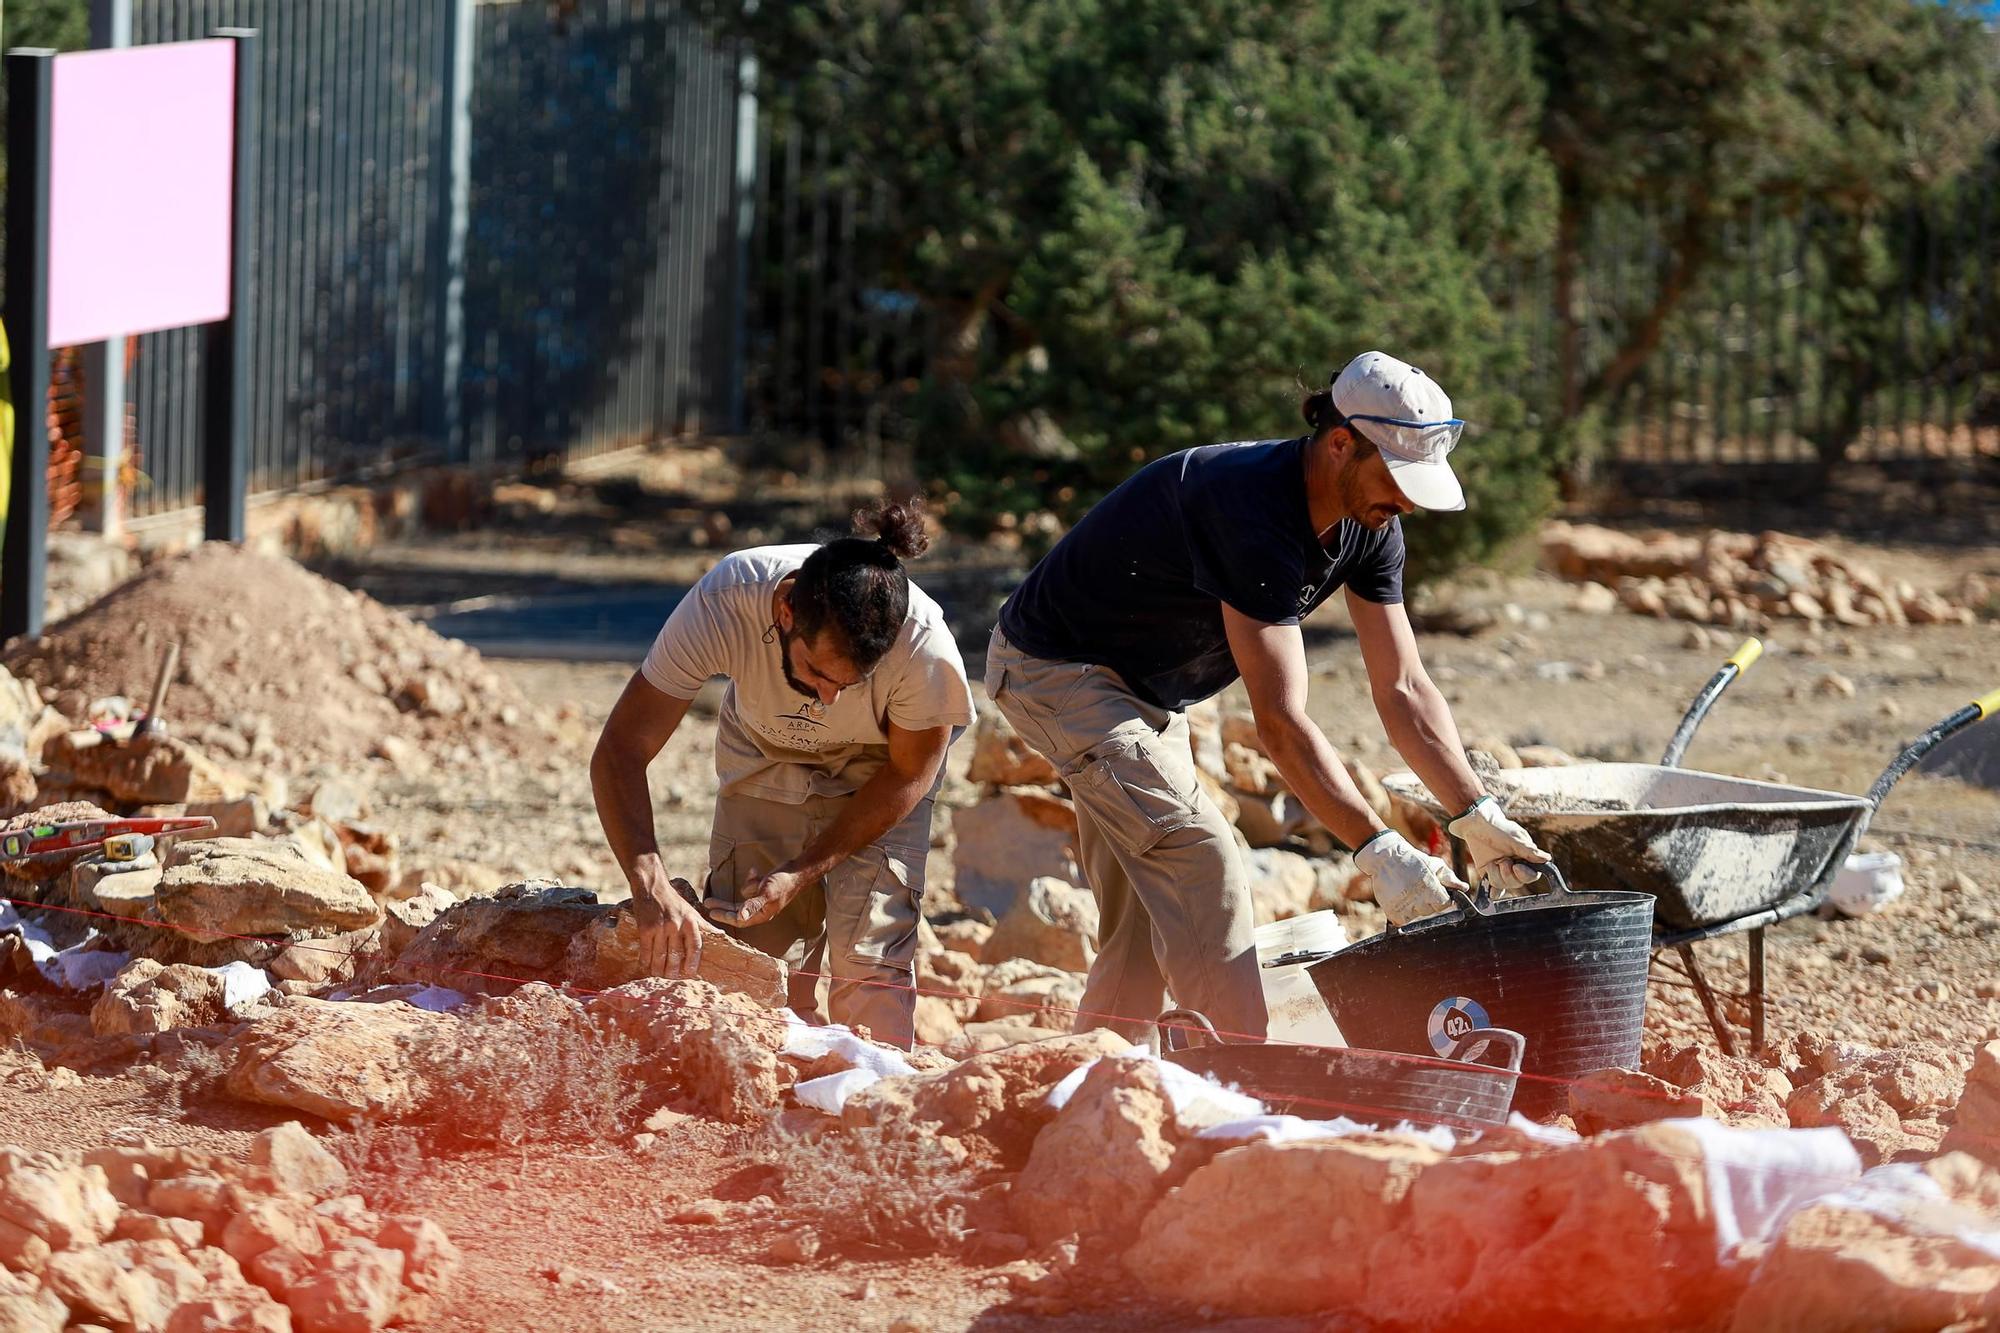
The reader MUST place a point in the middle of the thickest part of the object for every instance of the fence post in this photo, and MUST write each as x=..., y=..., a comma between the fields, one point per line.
x=24, y=552
x=746, y=227
x=104, y=362
x=226, y=343
x=454, y=209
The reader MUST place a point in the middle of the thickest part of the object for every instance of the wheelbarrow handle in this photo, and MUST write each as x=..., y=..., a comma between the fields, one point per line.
x=1739, y=662
x=1985, y=706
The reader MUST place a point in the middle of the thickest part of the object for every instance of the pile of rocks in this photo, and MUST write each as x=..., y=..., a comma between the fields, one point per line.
x=1743, y=581
x=1618, y=1230
x=172, y=1240
x=279, y=668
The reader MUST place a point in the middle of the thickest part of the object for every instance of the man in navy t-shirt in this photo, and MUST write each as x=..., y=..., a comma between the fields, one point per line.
x=1199, y=569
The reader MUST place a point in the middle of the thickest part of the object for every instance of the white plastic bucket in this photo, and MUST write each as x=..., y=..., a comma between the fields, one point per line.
x=1297, y=1012
x=1867, y=883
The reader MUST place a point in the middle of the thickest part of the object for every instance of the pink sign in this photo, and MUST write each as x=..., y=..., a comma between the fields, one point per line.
x=141, y=146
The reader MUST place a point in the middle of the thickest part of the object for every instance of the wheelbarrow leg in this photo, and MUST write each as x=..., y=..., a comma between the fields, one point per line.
x=1723, y=1036
x=1757, y=991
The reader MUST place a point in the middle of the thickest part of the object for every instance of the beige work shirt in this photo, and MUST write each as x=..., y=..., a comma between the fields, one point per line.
x=772, y=741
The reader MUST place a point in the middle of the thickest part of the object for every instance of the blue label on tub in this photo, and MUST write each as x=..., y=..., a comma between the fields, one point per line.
x=1451, y=1019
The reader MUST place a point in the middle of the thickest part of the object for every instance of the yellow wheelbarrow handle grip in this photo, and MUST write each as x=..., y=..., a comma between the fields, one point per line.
x=1987, y=704
x=1747, y=654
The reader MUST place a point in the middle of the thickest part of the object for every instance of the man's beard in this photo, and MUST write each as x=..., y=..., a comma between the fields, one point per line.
x=785, y=662
x=1354, y=504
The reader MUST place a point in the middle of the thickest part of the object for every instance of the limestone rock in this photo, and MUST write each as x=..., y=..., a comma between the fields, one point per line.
x=338, y=1061
x=606, y=954
x=935, y=1022
x=1890, y=1103
x=1282, y=884
x=719, y=1049
x=1001, y=757
x=1279, y=1228
x=996, y=1099
x=147, y=996
x=1837, y=1269
x=1611, y=1099
x=145, y=770
x=404, y=917
x=1976, y=1128
x=538, y=932
x=248, y=887
x=1047, y=997
x=371, y=856
x=430, y=1261
x=241, y=1309
x=289, y=1159
x=992, y=1034
x=124, y=1284
x=461, y=879
x=1616, y=1232
x=278, y=1223
x=1734, y=1088
x=1053, y=922
x=965, y=936
x=1099, y=1166
x=56, y=1202
x=121, y=889
x=26, y=1306
x=1009, y=840
x=319, y=962
x=354, y=1287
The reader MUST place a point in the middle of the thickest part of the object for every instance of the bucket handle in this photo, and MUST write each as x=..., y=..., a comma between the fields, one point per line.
x=1184, y=1029
x=1485, y=898
x=1513, y=1043
x=1468, y=908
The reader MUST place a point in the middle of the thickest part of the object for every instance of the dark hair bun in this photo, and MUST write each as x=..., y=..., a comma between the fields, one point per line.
x=1317, y=409
x=898, y=525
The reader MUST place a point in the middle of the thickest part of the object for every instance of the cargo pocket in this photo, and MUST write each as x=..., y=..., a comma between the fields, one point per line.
x=724, y=878
x=884, y=892
x=1136, y=797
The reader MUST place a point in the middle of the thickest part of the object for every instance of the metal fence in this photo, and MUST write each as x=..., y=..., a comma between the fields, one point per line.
x=602, y=298
x=599, y=293
x=1811, y=337
x=1808, y=336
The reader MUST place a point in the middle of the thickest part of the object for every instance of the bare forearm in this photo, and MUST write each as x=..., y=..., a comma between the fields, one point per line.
x=1313, y=771
x=624, y=808
x=1419, y=724
x=877, y=806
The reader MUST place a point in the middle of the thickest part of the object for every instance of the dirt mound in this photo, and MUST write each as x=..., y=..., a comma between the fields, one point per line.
x=277, y=665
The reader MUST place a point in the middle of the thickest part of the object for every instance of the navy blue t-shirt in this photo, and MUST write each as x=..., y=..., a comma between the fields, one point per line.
x=1138, y=584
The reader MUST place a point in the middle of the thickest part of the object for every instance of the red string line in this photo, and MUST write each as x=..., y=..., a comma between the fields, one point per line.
x=1419, y=1061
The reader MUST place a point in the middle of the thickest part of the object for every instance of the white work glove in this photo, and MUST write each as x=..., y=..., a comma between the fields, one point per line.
x=1408, y=883
x=1499, y=850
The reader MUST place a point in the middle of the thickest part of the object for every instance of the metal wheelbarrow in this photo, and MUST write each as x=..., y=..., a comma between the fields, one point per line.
x=1723, y=855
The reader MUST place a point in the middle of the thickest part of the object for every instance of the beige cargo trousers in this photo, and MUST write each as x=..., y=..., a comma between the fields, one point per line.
x=857, y=928
x=1173, y=899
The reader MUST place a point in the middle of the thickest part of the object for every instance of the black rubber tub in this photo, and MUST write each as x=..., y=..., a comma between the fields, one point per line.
x=1566, y=970
x=1375, y=1087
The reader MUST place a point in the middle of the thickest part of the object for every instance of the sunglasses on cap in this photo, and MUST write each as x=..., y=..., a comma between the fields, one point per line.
x=1421, y=439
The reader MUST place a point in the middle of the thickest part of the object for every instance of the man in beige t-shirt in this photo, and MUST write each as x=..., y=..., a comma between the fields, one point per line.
x=845, y=690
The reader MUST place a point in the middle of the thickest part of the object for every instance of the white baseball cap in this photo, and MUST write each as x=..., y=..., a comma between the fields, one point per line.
x=1408, y=417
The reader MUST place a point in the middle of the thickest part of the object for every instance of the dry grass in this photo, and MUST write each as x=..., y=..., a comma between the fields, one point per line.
x=491, y=1080
x=863, y=1188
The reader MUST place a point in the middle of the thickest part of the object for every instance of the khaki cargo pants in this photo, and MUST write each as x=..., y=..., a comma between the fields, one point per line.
x=1173, y=899
x=857, y=927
